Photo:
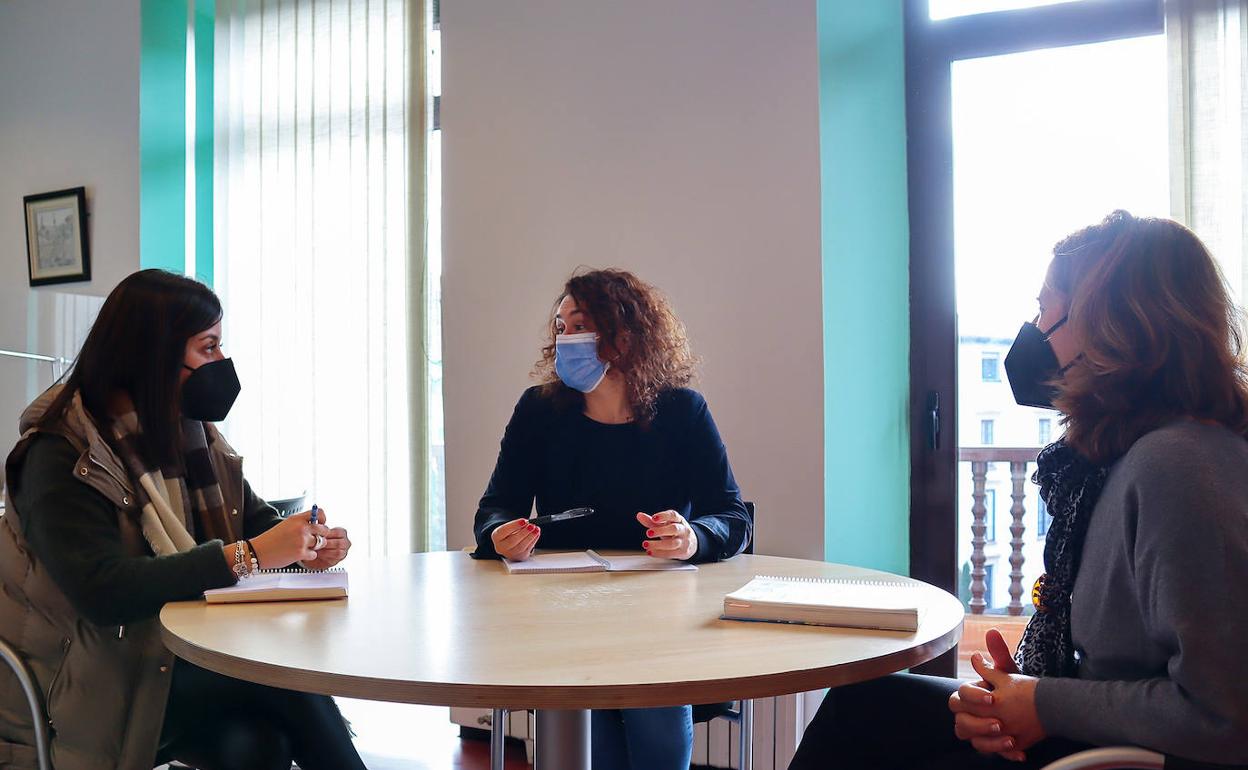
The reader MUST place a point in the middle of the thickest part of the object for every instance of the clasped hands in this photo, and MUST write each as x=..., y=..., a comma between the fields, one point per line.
x=671, y=537
x=998, y=713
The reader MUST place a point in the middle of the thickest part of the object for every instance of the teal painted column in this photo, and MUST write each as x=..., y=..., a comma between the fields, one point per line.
x=862, y=142
x=205, y=32
x=162, y=135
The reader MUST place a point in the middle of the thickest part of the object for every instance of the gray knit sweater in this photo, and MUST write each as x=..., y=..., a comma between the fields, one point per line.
x=1160, y=613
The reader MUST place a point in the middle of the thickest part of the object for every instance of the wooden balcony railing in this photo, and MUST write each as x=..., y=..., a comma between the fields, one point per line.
x=979, y=458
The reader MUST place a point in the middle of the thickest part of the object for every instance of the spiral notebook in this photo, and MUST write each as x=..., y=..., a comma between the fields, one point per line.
x=281, y=585
x=891, y=605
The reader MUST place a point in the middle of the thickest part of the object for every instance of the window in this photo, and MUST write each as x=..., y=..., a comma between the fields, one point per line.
x=990, y=515
x=1020, y=101
x=1046, y=431
x=1043, y=519
x=990, y=367
x=989, y=576
x=436, y=477
x=301, y=181
x=985, y=432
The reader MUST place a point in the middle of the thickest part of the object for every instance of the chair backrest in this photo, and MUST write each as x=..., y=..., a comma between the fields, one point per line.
x=289, y=505
x=749, y=508
x=34, y=699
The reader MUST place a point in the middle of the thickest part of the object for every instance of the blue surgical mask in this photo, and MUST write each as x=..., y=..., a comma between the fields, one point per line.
x=577, y=362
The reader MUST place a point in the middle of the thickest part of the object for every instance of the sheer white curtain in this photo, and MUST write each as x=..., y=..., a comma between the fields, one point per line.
x=1207, y=43
x=319, y=214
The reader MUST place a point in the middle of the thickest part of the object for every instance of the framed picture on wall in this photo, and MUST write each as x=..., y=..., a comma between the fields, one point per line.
x=56, y=237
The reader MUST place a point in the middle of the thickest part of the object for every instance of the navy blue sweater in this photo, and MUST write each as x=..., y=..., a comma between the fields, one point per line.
x=563, y=459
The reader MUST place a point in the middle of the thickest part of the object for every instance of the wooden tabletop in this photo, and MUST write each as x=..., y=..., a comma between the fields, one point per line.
x=443, y=629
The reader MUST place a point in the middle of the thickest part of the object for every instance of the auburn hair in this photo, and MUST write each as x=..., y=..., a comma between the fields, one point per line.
x=1159, y=334
x=638, y=335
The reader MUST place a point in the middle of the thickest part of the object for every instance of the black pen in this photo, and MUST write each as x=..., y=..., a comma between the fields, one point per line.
x=574, y=513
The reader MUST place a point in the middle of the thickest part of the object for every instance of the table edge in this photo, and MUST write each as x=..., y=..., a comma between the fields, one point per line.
x=561, y=696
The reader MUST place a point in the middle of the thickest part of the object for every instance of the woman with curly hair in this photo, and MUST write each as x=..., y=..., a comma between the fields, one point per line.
x=614, y=427
x=1138, y=635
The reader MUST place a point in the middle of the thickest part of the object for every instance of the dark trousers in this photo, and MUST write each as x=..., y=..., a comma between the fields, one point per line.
x=903, y=722
x=215, y=722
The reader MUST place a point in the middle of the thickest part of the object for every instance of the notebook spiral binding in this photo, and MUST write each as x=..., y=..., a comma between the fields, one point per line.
x=837, y=581
x=297, y=571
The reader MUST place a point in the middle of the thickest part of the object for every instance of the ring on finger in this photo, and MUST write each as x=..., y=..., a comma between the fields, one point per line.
x=320, y=543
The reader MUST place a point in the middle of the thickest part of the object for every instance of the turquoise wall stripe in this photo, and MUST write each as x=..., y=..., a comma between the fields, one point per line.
x=162, y=135
x=205, y=28
x=862, y=142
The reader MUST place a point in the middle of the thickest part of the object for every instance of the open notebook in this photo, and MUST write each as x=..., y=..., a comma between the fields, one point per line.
x=891, y=605
x=592, y=561
x=279, y=585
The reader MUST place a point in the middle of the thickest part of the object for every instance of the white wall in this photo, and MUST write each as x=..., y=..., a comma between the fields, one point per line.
x=69, y=117
x=676, y=139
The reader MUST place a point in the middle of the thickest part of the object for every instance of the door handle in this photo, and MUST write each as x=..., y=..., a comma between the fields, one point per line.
x=933, y=419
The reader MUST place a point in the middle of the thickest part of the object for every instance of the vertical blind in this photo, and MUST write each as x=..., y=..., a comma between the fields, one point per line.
x=1207, y=47
x=319, y=223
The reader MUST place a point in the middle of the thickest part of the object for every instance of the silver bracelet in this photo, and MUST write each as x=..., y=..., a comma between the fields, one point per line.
x=240, y=565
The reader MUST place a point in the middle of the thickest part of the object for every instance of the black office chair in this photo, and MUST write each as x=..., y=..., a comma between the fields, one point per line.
x=34, y=699
x=289, y=505
x=741, y=712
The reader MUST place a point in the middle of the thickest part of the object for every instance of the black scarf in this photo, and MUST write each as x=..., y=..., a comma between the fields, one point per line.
x=1070, y=485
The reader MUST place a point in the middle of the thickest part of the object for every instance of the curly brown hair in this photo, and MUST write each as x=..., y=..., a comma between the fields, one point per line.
x=1159, y=332
x=638, y=334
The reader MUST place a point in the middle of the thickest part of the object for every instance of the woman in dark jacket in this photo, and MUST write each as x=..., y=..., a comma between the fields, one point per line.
x=613, y=427
x=123, y=496
x=1139, y=626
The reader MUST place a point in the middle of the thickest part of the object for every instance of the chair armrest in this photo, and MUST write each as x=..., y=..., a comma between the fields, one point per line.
x=1109, y=759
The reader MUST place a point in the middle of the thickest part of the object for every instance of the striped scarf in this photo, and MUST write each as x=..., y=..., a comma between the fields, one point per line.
x=172, y=507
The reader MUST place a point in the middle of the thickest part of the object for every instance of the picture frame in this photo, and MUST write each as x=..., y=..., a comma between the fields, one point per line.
x=57, y=248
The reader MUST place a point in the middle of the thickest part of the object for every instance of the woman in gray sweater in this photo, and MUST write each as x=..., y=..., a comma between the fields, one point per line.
x=1139, y=631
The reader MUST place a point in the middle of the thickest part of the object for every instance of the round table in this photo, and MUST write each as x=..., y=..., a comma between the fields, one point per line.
x=444, y=629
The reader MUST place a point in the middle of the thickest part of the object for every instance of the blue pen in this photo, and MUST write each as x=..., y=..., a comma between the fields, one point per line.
x=312, y=516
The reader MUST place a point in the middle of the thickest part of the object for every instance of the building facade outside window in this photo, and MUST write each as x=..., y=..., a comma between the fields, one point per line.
x=990, y=367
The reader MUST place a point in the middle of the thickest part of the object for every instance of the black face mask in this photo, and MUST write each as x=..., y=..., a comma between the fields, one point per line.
x=1031, y=365
x=210, y=391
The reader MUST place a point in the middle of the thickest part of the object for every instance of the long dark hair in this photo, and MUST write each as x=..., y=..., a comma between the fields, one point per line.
x=137, y=345
x=1159, y=331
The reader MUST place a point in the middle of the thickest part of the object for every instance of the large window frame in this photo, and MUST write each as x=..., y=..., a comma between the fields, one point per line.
x=931, y=49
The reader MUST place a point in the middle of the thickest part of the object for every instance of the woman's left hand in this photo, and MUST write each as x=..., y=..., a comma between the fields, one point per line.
x=1003, y=698
x=335, y=549
x=676, y=539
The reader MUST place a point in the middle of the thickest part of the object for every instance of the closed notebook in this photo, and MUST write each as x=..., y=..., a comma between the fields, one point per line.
x=592, y=561
x=280, y=585
x=891, y=605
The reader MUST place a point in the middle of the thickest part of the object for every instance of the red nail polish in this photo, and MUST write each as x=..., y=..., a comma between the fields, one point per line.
x=649, y=533
x=645, y=544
